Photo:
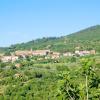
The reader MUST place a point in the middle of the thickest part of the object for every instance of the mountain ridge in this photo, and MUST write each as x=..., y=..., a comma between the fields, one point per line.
x=88, y=38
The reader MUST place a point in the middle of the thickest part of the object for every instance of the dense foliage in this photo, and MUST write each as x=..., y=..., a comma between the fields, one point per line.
x=61, y=79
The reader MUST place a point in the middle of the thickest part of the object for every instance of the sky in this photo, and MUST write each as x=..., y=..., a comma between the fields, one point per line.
x=25, y=20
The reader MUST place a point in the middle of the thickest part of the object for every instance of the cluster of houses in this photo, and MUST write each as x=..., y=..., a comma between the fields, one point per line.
x=25, y=53
x=85, y=52
x=47, y=53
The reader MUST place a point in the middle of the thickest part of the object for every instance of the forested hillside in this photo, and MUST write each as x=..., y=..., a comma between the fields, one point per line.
x=85, y=39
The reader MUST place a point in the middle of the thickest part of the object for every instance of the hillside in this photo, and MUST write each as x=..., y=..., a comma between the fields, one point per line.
x=85, y=39
x=88, y=38
x=91, y=33
x=44, y=78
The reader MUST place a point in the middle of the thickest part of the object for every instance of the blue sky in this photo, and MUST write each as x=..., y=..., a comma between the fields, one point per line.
x=25, y=20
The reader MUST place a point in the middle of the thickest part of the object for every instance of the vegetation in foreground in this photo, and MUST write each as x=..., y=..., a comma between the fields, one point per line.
x=72, y=78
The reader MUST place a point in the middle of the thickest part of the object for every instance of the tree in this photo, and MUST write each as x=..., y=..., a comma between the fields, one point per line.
x=87, y=65
x=69, y=90
x=91, y=79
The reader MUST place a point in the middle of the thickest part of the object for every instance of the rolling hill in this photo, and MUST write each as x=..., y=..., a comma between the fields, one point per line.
x=85, y=39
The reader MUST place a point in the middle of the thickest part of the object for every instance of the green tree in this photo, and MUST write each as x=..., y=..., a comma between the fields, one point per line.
x=68, y=90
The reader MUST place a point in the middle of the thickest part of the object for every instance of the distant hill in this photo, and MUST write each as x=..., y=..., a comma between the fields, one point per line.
x=91, y=33
x=85, y=40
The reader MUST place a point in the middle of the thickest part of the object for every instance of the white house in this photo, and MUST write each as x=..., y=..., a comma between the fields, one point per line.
x=67, y=54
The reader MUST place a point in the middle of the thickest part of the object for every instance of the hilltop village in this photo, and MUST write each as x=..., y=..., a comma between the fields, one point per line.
x=48, y=54
x=65, y=68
